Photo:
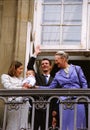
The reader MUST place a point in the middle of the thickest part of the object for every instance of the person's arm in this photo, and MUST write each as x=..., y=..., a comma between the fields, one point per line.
x=31, y=62
x=33, y=58
x=82, y=78
x=53, y=85
x=6, y=82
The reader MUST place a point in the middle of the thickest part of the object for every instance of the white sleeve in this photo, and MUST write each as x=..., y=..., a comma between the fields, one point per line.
x=6, y=82
x=25, y=81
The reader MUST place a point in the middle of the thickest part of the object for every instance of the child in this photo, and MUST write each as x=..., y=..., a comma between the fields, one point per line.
x=30, y=79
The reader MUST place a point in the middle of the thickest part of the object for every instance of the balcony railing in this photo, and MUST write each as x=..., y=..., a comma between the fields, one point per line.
x=44, y=100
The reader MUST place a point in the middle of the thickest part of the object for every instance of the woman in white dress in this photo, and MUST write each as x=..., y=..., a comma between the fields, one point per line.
x=17, y=115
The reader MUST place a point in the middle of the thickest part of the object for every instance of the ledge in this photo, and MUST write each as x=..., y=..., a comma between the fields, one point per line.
x=43, y=92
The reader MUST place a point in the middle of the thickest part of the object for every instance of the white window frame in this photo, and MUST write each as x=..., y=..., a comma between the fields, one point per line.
x=88, y=28
x=37, y=29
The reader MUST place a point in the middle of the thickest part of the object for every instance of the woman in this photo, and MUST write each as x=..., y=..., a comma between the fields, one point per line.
x=67, y=77
x=17, y=117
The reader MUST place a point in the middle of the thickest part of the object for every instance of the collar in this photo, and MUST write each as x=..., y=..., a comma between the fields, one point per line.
x=47, y=75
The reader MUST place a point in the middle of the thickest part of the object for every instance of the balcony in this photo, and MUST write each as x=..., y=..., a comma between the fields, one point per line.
x=45, y=98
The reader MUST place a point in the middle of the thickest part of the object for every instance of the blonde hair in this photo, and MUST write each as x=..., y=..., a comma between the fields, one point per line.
x=63, y=54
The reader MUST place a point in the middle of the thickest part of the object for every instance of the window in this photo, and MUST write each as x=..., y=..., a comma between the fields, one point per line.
x=61, y=24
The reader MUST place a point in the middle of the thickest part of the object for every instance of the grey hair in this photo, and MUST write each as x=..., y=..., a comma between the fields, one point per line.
x=62, y=54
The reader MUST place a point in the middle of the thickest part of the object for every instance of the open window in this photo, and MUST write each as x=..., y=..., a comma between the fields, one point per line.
x=61, y=24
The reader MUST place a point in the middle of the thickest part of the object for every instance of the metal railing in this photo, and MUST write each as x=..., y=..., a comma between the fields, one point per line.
x=44, y=99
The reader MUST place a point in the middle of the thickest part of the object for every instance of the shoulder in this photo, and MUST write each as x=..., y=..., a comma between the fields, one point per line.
x=58, y=73
x=75, y=66
x=4, y=76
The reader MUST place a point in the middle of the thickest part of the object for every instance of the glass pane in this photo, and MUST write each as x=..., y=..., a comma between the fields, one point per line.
x=73, y=0
x=50, y=35
x=51, y=13
x=71, y=35
x=52, y=0
x=72, y=14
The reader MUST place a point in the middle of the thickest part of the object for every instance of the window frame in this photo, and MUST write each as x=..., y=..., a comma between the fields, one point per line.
x=37, y=28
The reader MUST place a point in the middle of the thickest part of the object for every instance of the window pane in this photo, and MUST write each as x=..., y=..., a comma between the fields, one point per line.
x=51, y=13
x=50, y=35
x=71, y=35
x=73, y=0
x=52, y=0
x=72, y=14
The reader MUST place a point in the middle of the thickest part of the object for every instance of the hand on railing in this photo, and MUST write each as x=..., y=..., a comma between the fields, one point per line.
x=26, y=86
x=36, y=87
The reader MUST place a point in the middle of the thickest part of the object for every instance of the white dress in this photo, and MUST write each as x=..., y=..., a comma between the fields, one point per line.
x=17, y=115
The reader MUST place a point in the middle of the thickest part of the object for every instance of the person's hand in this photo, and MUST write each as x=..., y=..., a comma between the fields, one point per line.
x=37, y=50
x=26, y=85
x=36, y=87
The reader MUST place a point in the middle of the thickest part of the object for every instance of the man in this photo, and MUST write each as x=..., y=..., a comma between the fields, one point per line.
x=45, y=65
x=45, y=68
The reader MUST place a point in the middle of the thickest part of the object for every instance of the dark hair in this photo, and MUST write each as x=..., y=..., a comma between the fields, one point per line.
x=47, y=60
x=13, y=67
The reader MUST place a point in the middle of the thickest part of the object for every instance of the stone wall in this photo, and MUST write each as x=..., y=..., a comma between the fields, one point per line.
x=14, y=16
